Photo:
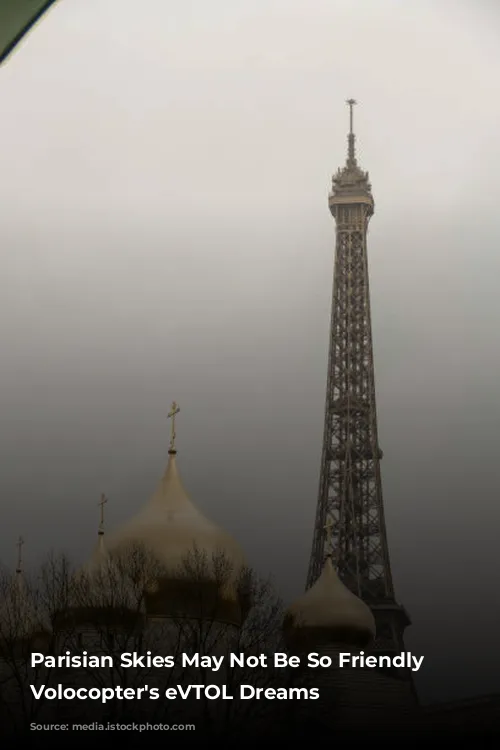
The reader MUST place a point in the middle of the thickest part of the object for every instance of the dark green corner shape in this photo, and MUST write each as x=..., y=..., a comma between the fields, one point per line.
x=17, y=17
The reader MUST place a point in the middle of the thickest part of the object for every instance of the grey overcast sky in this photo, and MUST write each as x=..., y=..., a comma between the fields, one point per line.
x=164, y=234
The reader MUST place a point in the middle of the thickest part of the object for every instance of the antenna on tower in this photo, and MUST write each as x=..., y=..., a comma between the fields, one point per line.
x=351, y=155
x=351, y=103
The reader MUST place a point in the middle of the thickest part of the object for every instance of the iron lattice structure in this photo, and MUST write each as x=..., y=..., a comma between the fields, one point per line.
x=350, y=501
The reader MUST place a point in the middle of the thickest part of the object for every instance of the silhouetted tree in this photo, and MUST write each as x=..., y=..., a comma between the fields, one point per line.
x=129, y=603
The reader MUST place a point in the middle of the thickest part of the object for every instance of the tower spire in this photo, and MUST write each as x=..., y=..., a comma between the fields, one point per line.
x=100, y=534
x=351, y=138
x=174, y=409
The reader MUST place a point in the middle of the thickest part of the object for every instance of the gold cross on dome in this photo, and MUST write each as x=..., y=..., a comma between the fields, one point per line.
x=19, y=546
x=102, y=502
x=174, y=409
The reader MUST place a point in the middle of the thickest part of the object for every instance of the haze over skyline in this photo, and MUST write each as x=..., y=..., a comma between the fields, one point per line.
x=166, y=235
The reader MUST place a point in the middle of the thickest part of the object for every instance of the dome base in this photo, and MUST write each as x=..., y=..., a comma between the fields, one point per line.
x=201, y=600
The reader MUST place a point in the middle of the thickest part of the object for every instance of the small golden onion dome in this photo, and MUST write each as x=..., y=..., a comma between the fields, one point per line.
x=328, y=613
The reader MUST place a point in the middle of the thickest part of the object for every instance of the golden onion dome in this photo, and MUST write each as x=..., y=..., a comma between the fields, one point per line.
x=189, y=563
x=329, y=613
x=172, y=528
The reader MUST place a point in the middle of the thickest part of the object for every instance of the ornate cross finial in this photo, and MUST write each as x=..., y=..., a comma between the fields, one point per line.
x=102, y=502
x=174, y=409
x=19, y=545
x=351, y=103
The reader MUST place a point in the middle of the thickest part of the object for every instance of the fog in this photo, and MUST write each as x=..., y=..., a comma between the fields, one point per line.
x=165, y=235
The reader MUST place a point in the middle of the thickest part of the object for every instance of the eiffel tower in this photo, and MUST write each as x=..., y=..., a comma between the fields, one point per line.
x=350, y=498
